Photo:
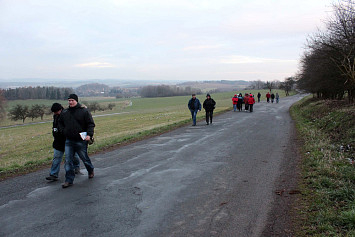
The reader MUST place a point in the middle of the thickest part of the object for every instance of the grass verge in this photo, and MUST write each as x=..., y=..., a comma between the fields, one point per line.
x=326, y=129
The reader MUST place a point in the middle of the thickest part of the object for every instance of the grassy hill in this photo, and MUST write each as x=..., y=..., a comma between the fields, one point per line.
x=327, y=129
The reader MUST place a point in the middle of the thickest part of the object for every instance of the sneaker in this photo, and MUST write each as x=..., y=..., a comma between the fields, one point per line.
x=77, y=171
x=207, y=124
x=91, y=175
x=52, y=178
x=66, y=185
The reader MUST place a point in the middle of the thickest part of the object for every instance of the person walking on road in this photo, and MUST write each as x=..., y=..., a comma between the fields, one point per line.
x=235, y=102
x=194, y=106
x=259, y=96
x=246, y=101
x=268, y=97
x=272, y=98
x=240, y=102
x=277, y=97
x=209, y=105
x=251, y=102
x=77, y=124
x=58, y=146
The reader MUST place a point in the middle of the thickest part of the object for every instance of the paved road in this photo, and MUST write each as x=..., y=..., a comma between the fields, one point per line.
x=216, y=180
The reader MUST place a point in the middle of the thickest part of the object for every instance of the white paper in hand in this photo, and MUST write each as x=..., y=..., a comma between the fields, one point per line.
x=83, y=135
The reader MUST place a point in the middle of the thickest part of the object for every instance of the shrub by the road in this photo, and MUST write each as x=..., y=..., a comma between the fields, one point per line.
x=327, y=129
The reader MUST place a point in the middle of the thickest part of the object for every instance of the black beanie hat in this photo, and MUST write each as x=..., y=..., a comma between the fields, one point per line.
x=74, y=97
x=56, y=107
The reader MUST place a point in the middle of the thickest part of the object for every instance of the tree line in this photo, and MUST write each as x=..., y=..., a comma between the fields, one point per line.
x=286, y=85
x=22, y=112
x=26, y=93
x=328, y=64
x=166, y=91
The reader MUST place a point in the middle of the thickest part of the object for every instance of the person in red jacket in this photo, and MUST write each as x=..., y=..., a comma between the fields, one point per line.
x=268, y=97
x=235, y=102
x=251, y=102
x=246, y=101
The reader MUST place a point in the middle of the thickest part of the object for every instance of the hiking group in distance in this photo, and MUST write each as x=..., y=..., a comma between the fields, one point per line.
x=238, y=100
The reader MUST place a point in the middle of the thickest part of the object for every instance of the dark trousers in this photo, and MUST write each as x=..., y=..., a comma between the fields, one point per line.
x=251, y=107
x=209, y=116
x=239, y=106
x=81, y=148
x=246, y=106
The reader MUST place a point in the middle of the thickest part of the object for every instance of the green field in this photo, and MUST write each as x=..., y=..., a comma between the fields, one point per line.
x=27, y=147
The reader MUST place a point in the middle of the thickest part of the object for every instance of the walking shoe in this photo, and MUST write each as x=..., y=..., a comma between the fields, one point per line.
x=91, y=175
x=207, y=124
x=77, y=171
x=52, y=178
x=66, y=185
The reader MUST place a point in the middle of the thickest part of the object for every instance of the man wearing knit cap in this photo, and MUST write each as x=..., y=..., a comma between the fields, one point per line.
x=59, y=145
x=77, y=125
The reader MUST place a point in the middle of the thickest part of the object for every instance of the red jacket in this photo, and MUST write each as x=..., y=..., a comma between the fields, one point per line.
x=251, y=100
x=235, y=100
x=246, y=99
x=268, y=95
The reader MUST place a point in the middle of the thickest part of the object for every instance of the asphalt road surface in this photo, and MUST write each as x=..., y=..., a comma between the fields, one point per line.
x=216, y=180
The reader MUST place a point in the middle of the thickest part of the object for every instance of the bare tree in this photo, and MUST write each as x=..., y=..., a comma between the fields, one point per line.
x=337, y=43
x=257, y=85
x=328, y=65
x=110, y=106
x=19, y=112
x=93, y=106
x=287, y=85
x=37, y=111
x=269, y=85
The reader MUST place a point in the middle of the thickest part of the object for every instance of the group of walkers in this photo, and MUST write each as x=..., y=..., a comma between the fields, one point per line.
x=272, y=96
x=248, y=101
x=73, y=129
x=238, y=100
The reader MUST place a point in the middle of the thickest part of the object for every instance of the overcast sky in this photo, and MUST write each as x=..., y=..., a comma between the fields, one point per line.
x=157, y=39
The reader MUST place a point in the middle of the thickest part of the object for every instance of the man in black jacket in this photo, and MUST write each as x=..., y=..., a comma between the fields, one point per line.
x=58, y=146
x=209, y=105
x=77, y=125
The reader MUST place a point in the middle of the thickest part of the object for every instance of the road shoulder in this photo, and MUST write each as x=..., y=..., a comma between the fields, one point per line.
x=283, y=212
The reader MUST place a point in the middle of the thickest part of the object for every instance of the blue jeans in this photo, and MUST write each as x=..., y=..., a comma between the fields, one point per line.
x=57, y=159
x=193, y=114
x=235, y=108
x=81, y=148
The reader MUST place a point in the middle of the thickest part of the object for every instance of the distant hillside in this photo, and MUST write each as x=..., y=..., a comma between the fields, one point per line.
x=220, y=86
x=123, y=83
x=93, y=89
